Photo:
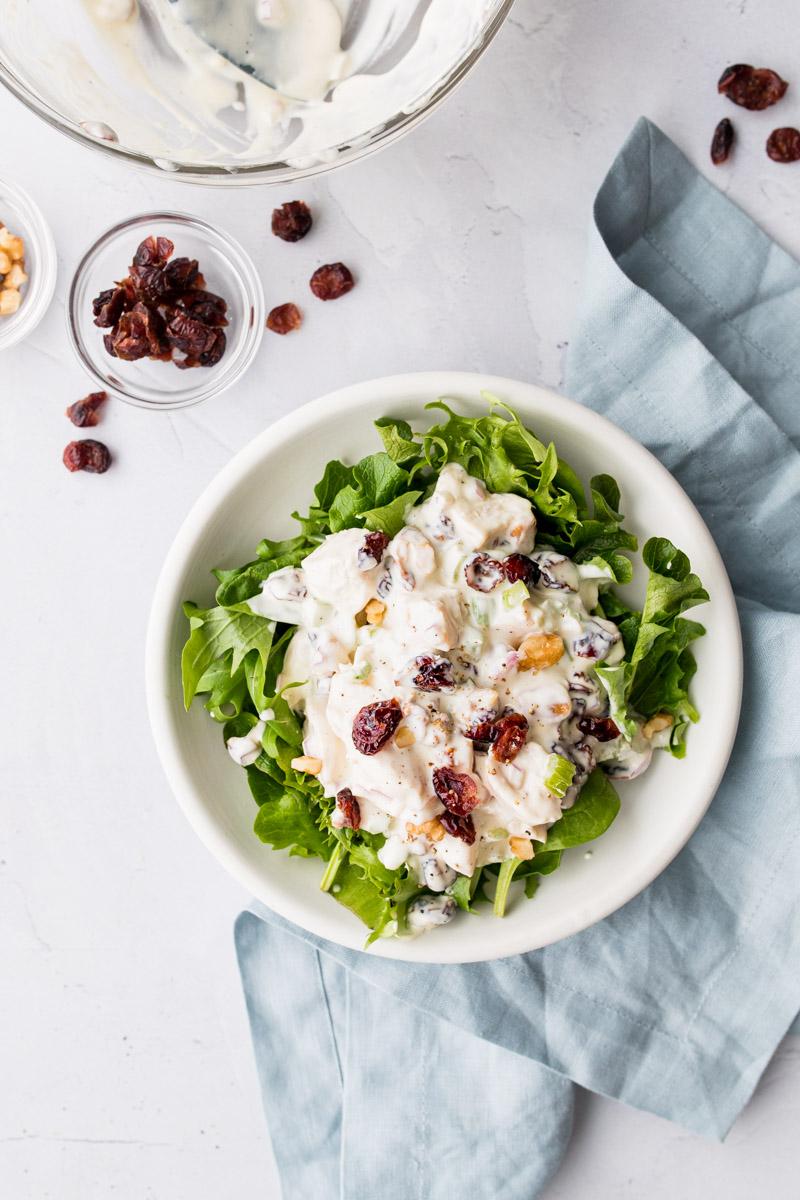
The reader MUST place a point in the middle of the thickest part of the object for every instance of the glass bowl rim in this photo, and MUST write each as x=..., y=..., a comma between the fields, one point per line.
x=279, y=172
x=241, y=265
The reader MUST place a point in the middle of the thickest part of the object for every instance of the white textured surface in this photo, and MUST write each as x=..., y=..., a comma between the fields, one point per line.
x=124, y=1054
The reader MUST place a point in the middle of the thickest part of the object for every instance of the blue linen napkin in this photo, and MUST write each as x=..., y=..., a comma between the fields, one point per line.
x=383, y=1079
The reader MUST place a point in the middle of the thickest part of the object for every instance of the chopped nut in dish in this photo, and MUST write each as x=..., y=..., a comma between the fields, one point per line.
x=12, y=271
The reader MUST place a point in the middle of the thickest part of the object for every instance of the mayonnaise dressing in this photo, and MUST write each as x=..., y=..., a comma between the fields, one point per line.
x=430, y=609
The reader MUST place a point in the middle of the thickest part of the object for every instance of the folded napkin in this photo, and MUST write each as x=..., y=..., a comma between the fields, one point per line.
x=384, y=1079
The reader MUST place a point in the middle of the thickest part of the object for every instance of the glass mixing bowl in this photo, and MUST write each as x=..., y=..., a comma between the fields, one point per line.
x=135, y=97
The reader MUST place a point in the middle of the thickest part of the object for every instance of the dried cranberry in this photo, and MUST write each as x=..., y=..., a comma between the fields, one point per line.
x=87, y=455
x=482, y=731
x=150, y=282
x=458, y=792
x=371, y=553
x=204, y=306
x=214, y=350
x=292, y=220
x=331, y=281
x=84, y=412
x=519, y=566
x=602, y=729
x=284, y=318
x=181, y=274
x=374, y=724
x=109, y=306
x=751, y=87
x=783, y=145
x=108, y=342
x=134, y=336
x=153, y=250
x=434, y=674
x=510, y=732
x=459, y=827
x=197, y=344
x=349, y=808
x=722, y=142
x=483, y=573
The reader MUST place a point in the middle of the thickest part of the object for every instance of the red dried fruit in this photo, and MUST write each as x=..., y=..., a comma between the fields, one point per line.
x=134, y=335
x=457, y=791
x=204, y=306
x=459, y=827
x=292, y=221
x=284, y=318
x=152, y=250
x=87, y=455
x=162, y=311
x=510, y=732
x=109, y=306
x=181, y=274
x=371, y=553
x=84, y=412
x=433, y=673
x=783, y=145
x=349, y=808
x=331, y=281
x=374, y=724
x=601, y=728
x=519, y=566
x=483, y=573
x=482, y=731
x=753, y=88
x=721, y=142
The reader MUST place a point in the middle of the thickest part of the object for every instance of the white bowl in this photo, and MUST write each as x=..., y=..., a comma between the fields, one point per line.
x=253, y=496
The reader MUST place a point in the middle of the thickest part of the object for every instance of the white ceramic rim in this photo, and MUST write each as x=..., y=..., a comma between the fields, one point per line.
x=40, y=288
x=167, y=600
x=241, y=263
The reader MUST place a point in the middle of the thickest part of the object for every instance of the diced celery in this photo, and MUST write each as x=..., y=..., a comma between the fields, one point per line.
x=515, y=594
x=560, y=773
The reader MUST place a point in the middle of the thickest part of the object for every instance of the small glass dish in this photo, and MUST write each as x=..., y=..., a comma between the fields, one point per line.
x=23, y=219
x=228, y=271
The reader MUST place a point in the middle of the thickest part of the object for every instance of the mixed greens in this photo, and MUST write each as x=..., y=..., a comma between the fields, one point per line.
x=233, y=657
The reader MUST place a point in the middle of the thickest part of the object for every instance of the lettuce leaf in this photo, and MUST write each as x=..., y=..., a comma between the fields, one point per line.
x=660, y=666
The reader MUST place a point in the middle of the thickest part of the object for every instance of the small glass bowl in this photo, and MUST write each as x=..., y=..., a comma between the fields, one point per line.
x=23, y=218
x=227, y=270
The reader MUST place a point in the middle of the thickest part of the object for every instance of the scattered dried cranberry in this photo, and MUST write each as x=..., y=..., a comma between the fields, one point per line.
x=483, y=573
x=84, y=412
x=722, y=142
x=292, y=220
x=783, y=145
x=601, y=728
x=349, y=808
x=284, y=318
x=510, y=732
x=434, y=673
x=87, y=455
x=751, y=87
x=458, y=792
x=374, y=724
x=371, y=553
x=331, y=281
x=519, y=566
x=459, y=827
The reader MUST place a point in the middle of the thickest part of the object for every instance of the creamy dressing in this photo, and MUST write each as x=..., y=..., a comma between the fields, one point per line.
x=237, y=82
x=426, y=607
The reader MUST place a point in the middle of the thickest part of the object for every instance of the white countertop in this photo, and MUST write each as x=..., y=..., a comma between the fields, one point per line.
x=125, y=1054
